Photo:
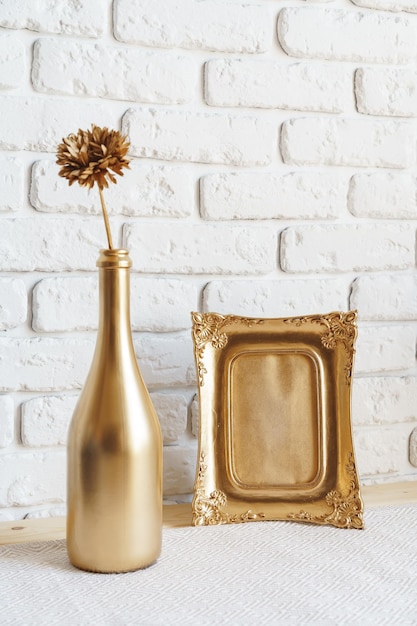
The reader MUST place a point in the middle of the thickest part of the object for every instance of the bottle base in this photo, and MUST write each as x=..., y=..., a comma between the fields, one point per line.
x=99, y=570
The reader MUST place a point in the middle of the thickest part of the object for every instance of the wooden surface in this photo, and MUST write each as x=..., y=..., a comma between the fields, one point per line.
x=179, y=515
x=45, y=529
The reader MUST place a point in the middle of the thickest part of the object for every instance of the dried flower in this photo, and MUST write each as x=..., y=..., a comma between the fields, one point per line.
x=91, y=156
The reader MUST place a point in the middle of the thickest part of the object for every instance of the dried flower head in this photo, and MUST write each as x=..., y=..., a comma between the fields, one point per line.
x=91, y=156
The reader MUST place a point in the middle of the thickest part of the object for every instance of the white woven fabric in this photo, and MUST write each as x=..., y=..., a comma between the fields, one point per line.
x=254, y=573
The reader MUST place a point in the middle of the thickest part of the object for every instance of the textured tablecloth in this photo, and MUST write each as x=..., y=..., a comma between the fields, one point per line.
x=254, y=573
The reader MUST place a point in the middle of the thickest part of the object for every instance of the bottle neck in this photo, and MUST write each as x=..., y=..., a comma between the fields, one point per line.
x=114, y=294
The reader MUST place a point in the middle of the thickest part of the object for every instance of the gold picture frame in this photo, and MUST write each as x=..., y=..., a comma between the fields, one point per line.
x=275, y=438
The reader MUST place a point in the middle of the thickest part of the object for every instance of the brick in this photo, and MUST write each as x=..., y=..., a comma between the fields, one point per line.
x=230, y=139
x=386, y=91
x=378, y=451
x=343, y=141
x=12, y=62
x=44, y=364
x=277, y=298
x=343, y=35
x=345, y=248
x=13, y=303
x=269, y=84
x=39, y=124
x=29, y=478
x=388, y=5
x=265, y=195
x=53, y=511
x=45, y=420
x=55, y=244
x=65, y=304
x=83, y=17
x=179, y=469
x=211, y=25
x=384, y=400
x=118, y=73
x=11, y=184
x=6, y=421
x=166, y=360
x=412, y=452
x=161, y=305
x=385, y=348
x=7, y=515
x=172, y=411
x=144, y=191
x=201, y=248
x=383, y=195
x=71, y=303
x=385, y=297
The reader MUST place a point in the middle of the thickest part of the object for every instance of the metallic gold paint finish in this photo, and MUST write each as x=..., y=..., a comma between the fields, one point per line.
x=114, y=479
x=275, y=437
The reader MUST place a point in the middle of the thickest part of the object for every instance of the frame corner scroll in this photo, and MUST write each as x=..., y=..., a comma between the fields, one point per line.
x=208, y=328
x=208, y=509
x=341, y=329
x=347, y=509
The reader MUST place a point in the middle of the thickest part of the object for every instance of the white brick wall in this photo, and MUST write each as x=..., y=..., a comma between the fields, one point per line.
x=386, y=91
x=226, y=139
x=346, y=247
x=74, y=244
x=12, y=61
x=388, y=5
x=45, y=121
x=90, y=70
x=346, y=35
x=44, y=363
x=345, y=141
x=14, y=310
x=275, y=298
x=385, y=296
x=383, y=195
x=81, y=18
x=11, y=182
x=273, y=173
x=266, y=195
x=270, y=84
x=150, y=190
x=211, y=25
x=202, y=248
x=6, y=421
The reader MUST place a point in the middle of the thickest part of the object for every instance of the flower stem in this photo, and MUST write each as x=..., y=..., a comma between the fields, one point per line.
x=106, y=219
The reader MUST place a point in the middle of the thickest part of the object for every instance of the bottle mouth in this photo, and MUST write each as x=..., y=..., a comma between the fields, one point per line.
x=114, y=258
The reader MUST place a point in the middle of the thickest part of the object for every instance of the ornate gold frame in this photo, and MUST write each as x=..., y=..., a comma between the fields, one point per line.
x=275, y=438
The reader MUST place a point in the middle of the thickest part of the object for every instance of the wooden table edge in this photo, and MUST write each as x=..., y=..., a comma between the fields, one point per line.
x=179, y=515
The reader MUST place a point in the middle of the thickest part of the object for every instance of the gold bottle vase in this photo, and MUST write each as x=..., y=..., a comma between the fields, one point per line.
x=114, y=478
